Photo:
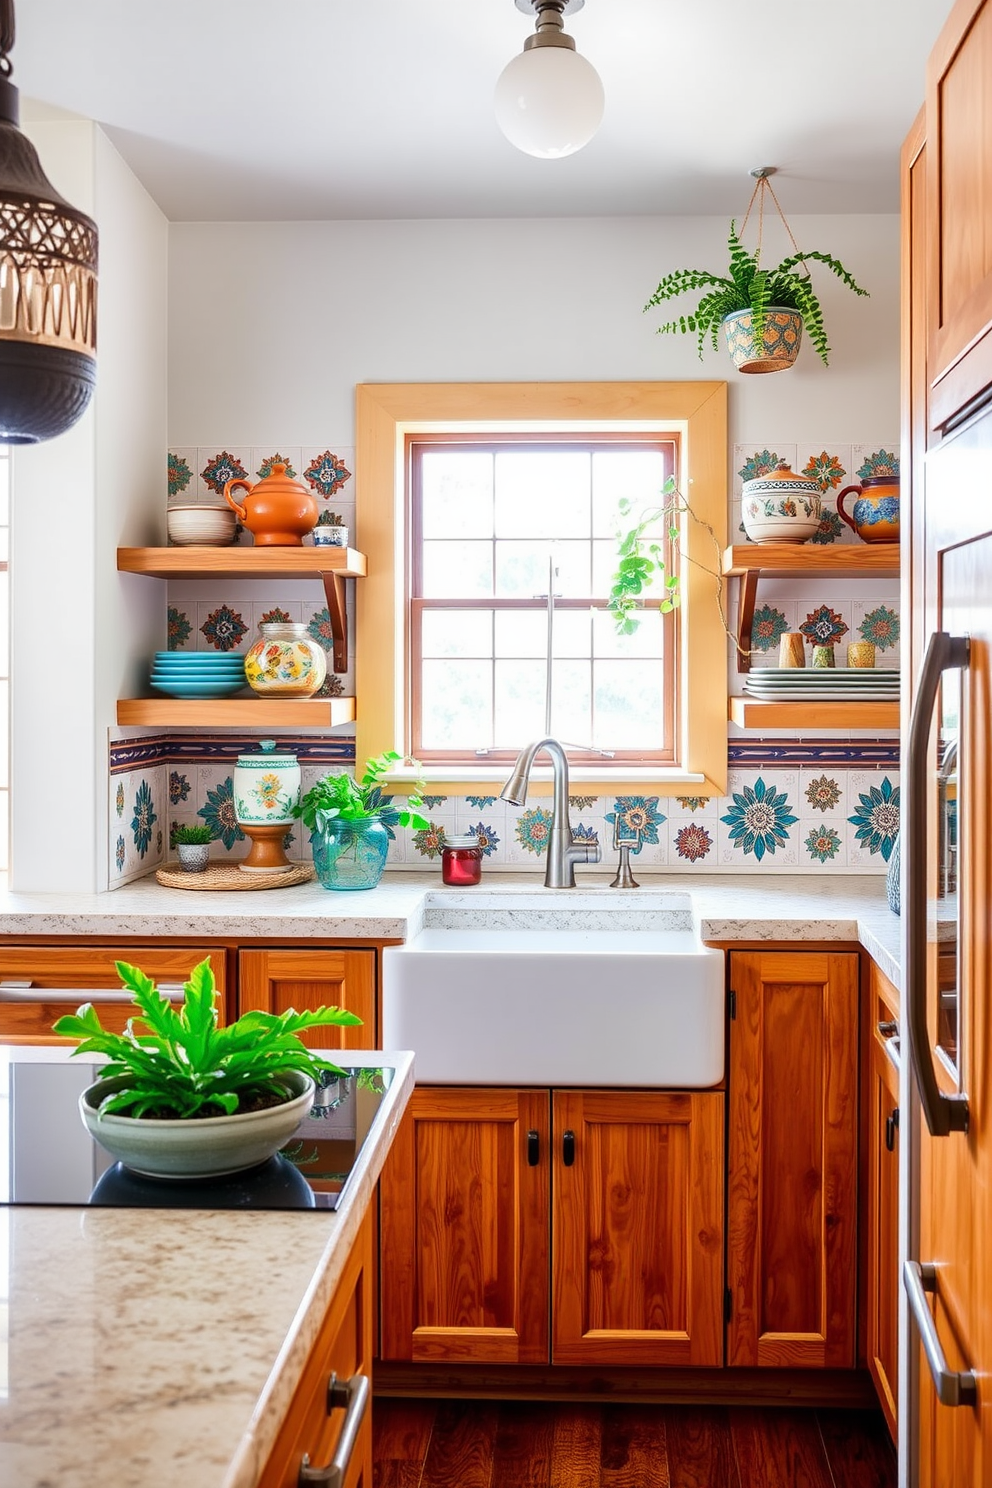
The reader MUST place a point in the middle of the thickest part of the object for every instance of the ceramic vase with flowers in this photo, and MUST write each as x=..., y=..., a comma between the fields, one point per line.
x=266, y=795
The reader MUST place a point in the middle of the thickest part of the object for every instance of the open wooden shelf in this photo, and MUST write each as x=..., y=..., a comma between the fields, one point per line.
x=253, y=712
x=749, y=561
x=331, y=565
x=759, y=713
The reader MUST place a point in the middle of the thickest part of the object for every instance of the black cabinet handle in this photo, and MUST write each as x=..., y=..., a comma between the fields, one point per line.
x=568, y=1148
x=891, y=1127
x=351, y=1396
x=944, y=1113
x=533, y=1149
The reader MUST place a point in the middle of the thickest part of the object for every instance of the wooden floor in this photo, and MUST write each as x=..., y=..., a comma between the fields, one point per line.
x=487, y=1444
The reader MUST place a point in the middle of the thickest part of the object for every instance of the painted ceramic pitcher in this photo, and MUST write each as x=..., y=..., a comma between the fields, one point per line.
x=874, y=515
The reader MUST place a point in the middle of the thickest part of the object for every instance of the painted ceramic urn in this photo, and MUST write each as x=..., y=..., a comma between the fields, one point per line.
x=278, y=511
x=266, y=789
x=781, y=506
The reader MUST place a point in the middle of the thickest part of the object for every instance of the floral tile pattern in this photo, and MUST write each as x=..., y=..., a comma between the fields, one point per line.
x=824, y=627
x=224, y=629
x=693, y=803
x=878, y=464
x=825, y=469
x=831, y=528
x=179, y=628
x=533, y=829
x=179, y=788
x=429, y=840
x=881, y=627
x=326, y=473
x=485, y=838
x=877, y=818
x=693, y=842
x=265, y=465
x=636, y=814
x=431, y=801
x=218, y=813
x=143, y=818
x=119, y=798
x=480, y=802
x=758, y=819
x=768, y=625
x=180, y=474
x=220, y=469
x=822, y=843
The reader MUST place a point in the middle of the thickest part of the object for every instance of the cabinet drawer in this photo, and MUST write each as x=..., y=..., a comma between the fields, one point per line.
x=62, y=977
x=344, y=1349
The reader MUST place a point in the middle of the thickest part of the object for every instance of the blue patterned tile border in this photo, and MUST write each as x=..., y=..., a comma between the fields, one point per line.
x=129, y=754
x=868, y=753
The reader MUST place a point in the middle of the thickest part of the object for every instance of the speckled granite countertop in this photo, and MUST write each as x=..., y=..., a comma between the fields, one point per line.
x=786, y=907
x=161, y=1350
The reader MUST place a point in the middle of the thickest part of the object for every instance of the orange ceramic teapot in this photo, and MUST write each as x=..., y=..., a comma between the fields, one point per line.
x=277, y=511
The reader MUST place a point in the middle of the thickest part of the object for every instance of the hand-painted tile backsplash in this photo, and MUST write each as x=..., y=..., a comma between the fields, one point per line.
x=815, y=805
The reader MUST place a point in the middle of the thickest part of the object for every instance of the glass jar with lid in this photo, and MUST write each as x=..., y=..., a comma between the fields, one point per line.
x=285, y=661
x=461, y=861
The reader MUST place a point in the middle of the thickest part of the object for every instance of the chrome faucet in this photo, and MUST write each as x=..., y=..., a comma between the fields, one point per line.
x=563, y=850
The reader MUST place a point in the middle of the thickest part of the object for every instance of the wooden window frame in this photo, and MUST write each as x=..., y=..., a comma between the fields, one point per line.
x=697, y=411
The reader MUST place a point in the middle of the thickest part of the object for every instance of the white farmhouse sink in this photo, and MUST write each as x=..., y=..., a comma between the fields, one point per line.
x=521, y=989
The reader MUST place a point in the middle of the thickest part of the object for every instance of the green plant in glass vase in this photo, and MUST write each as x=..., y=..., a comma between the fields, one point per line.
x=351, y=823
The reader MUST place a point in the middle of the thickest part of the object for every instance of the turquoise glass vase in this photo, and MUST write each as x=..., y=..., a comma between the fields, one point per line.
x=350, y=854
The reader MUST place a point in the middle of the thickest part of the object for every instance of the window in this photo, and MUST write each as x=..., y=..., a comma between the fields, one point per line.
x=678, y=737
x=498, y=524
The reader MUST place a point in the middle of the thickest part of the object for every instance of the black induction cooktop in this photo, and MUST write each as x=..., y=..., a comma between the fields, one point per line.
x=48, y=1157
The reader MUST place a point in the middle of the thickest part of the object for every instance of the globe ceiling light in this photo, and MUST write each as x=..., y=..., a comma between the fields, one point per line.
x=549, y=100
x=48, y=262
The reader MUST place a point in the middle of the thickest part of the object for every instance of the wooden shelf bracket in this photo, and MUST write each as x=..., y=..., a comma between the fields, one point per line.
x=335, y=595
x=746, y=597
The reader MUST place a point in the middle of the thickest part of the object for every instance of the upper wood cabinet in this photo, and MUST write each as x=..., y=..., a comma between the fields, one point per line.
x=959, y=211
x=274, y=980
x=622, y=1189
x=792, y=1159
x=40, y=983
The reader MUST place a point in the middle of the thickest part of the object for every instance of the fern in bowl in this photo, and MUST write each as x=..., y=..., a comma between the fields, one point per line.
x=763, y=310
x=183, y=1096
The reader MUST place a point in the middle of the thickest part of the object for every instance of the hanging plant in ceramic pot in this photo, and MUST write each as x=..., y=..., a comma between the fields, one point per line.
x=762, y=310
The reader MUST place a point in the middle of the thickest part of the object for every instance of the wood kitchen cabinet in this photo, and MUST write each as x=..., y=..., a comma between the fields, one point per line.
x=959, y=213
x=792, y=1159
x=882, y=1208
x=312, y=1431
x=45, y=981
x=580, y=1227
x=274, y=980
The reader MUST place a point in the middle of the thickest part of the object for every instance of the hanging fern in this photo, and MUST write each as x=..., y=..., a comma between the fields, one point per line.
x=749, y=287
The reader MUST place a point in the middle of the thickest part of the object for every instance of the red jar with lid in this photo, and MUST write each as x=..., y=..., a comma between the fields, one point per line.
x=461, y=861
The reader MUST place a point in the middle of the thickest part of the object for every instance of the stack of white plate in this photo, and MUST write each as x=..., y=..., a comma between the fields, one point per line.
x=831, y=684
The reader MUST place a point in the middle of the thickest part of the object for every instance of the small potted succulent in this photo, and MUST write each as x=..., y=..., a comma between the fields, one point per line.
x=331, y=531
x=192, y=844
x=184, y=1097
x=762, y=310
x=351, y=823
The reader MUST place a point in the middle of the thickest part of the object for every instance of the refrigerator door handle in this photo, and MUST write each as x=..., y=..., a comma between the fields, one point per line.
x=953, y=1386
x=944, y=1113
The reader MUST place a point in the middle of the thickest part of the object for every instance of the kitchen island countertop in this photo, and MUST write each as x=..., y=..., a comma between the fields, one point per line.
x=161, y=1349
x=726, y=907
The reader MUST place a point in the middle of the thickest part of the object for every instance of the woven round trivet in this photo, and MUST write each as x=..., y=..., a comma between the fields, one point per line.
x=229, y=876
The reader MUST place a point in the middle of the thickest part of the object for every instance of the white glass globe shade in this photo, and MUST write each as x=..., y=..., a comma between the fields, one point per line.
x=549, y=101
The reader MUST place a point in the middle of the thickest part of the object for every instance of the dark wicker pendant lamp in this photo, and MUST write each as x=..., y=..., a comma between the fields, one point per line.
x=48, y=262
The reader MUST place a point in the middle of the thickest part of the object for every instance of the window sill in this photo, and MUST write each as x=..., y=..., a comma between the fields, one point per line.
x=616, y=780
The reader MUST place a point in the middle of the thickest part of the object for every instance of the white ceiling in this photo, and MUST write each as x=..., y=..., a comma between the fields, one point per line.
x=321, y=109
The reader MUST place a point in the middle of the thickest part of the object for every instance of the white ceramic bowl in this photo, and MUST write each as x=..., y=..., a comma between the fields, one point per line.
x=195, y=1148
x=778, y=510
x=201, y=525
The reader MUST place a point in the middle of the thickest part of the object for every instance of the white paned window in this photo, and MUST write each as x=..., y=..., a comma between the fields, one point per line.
x=496, y=524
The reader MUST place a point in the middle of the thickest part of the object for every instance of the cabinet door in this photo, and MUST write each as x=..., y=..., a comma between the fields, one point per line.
x=465, y=1198
x=792, y=1159
x=275, y=980
x=312, y=1425
x=637, y=1231
x=883, y=1218
x=959, y=209
x=62, y=977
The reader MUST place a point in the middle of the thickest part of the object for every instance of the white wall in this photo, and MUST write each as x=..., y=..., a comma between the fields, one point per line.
x=78, y=628
x=272, y=324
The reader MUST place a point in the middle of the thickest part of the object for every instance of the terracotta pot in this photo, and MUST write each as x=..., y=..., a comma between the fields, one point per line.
x=278, y=511
x=874, y=516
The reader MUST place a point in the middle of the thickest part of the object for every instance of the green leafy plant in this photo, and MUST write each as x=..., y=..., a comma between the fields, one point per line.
x=747, y=286
x=184, y=1064
x=341, y=796
x=191, y=836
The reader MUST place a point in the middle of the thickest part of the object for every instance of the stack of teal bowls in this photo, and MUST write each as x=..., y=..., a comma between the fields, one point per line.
x=198, y=674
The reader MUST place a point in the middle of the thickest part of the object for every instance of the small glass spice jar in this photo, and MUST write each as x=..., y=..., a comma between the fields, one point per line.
x=461, y=861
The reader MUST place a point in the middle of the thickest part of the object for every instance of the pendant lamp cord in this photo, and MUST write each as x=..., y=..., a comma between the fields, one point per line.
x=760, y=187
x=6, y=36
